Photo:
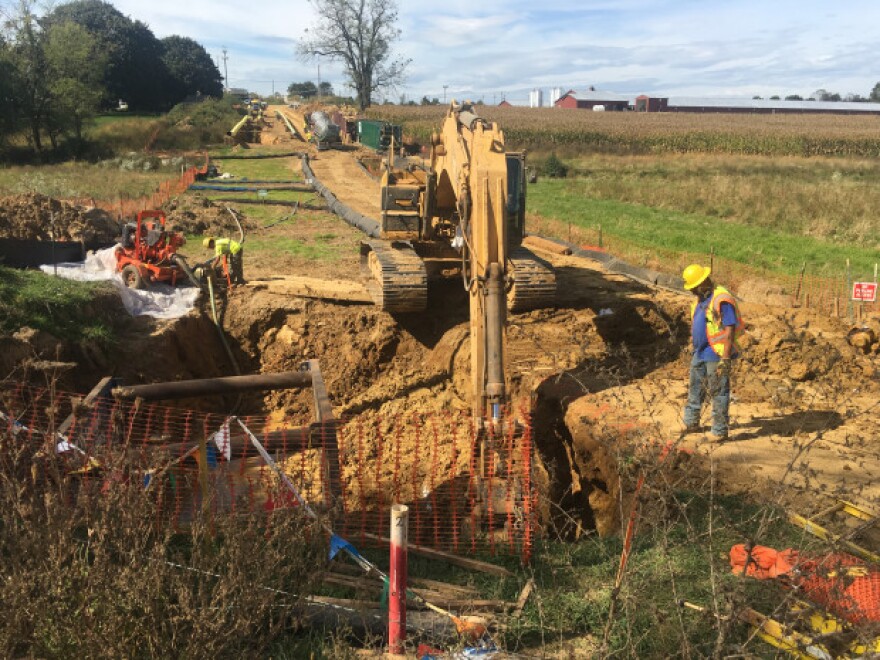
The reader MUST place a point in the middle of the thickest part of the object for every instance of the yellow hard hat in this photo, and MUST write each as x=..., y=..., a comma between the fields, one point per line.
x=207, y=242
x=694, y=275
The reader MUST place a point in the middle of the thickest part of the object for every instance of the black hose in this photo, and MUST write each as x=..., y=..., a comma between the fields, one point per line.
x=181, y=263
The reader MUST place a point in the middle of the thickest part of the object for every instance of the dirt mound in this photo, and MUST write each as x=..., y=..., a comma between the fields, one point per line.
x=788, y=348
x=196, y=214
x=35, y=216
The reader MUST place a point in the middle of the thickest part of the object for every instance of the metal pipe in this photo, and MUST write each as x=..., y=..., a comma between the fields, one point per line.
x=207, y=386
x=495, y=320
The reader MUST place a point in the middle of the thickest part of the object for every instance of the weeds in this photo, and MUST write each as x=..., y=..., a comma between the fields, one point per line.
x=91, y=570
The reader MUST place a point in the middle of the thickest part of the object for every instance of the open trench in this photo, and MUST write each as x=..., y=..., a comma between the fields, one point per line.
x=381, y=372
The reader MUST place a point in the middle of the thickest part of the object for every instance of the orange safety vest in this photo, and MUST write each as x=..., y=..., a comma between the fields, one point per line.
x=715, y=332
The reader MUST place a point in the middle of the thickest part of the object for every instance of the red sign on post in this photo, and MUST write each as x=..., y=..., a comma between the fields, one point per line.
x=864, y=291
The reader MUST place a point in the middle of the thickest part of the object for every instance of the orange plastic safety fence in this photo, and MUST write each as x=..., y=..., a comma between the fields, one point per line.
x=128, y=208
x=431, y=462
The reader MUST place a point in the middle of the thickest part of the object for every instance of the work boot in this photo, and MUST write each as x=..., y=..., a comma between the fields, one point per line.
x=718, y=439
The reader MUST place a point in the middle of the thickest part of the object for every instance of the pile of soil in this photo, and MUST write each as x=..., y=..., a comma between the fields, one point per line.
x=196, y=214
x=35, y=216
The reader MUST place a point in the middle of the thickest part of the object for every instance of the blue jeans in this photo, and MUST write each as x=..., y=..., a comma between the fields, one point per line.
x=706, y=382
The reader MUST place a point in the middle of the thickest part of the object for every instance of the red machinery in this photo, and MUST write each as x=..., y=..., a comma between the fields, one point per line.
x=148, y=252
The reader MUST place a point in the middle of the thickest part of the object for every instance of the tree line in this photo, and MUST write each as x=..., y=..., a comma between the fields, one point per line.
x=58, y=70
x=825, y=95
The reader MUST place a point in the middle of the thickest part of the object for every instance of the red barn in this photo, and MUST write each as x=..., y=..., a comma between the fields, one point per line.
x=646, y=103
x=592, y=99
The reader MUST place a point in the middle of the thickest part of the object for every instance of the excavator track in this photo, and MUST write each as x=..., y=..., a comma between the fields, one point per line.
x=534, y=282
x=396, y=276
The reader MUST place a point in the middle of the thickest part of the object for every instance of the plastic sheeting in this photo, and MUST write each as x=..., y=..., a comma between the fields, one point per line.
x=161, y=301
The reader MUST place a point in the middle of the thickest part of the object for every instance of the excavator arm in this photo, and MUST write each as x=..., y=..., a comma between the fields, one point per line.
x=470, y=198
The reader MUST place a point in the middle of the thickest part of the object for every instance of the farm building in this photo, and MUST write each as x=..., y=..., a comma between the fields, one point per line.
x=592, y=99
x=646, y=103
x=505, y=104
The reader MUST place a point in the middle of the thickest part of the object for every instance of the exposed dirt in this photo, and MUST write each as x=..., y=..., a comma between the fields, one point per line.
x=605, y=374
x=36, y=216
x=195, y=214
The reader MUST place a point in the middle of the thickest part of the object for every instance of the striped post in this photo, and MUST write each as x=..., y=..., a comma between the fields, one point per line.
x=397, y=579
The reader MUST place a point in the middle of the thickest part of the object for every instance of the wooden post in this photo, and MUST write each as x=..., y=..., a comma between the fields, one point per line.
x=397, y=579
x=849, y=302
x=797, y=293
x=600, y=236
x=712, y=258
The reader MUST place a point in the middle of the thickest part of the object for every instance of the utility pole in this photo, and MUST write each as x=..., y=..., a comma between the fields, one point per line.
x=444, y=94
x=225, y=70
x=273, y=88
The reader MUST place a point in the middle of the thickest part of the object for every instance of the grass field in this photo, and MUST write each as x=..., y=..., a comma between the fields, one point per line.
x=76, y=180
x=672, y=231
x=576, y=132
x=768, y=191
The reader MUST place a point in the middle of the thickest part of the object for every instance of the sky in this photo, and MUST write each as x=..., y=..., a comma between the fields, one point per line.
x=495, y=49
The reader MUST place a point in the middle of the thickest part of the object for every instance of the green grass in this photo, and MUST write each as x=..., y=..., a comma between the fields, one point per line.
x=279, y=195
x=317, y=250
x=122, y=117
x=72, y=180
x=673, y=231
x=261, y=169
x=69, y=310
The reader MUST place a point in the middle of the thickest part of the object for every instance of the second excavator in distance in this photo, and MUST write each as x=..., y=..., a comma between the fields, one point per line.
x=462, y=214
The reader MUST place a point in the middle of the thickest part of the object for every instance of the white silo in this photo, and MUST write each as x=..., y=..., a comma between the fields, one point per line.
x=555, y=95
x=536, y=98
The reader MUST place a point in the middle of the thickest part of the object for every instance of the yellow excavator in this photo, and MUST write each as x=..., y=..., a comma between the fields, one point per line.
x=463, y=213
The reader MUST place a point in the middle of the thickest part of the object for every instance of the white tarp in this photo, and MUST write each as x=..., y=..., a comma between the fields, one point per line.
x=161, y=301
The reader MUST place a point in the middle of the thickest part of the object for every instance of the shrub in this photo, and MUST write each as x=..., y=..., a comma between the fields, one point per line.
x=90, y=569
x=554, y=168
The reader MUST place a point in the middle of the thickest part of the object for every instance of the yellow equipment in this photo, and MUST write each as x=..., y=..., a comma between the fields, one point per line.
x=463, y=215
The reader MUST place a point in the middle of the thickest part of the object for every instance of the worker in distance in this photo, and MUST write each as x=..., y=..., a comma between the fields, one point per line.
x=716, y=324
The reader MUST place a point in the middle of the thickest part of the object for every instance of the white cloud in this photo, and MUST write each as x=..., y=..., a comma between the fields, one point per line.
x=703, y=47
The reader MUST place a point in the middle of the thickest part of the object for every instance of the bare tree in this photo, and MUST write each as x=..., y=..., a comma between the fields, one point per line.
x=358, y=33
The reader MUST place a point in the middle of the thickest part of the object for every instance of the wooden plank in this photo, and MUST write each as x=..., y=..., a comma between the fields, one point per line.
x=312, y=287
x=455, y=560
x=540, y=243
x=330, y=446
x=434, y=585
x=102, y=389
x=523, y=597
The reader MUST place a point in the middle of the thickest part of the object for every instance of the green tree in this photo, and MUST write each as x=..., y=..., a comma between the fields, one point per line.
x=794, y=97
x=190, y=68
x=359, y=34
x=7, y=93
x=76, y=69
x=304, y=90
x=29, y=71
x=875, y=94
x=135, y=70
x=325, y=89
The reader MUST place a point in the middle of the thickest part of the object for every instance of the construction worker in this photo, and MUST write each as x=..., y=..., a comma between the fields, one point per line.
x=230, y=251
x=715, y=325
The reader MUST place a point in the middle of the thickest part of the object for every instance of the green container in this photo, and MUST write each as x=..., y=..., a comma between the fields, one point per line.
x=377, y=134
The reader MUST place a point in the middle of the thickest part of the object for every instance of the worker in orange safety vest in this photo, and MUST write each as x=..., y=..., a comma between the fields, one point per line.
x=715, y=326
